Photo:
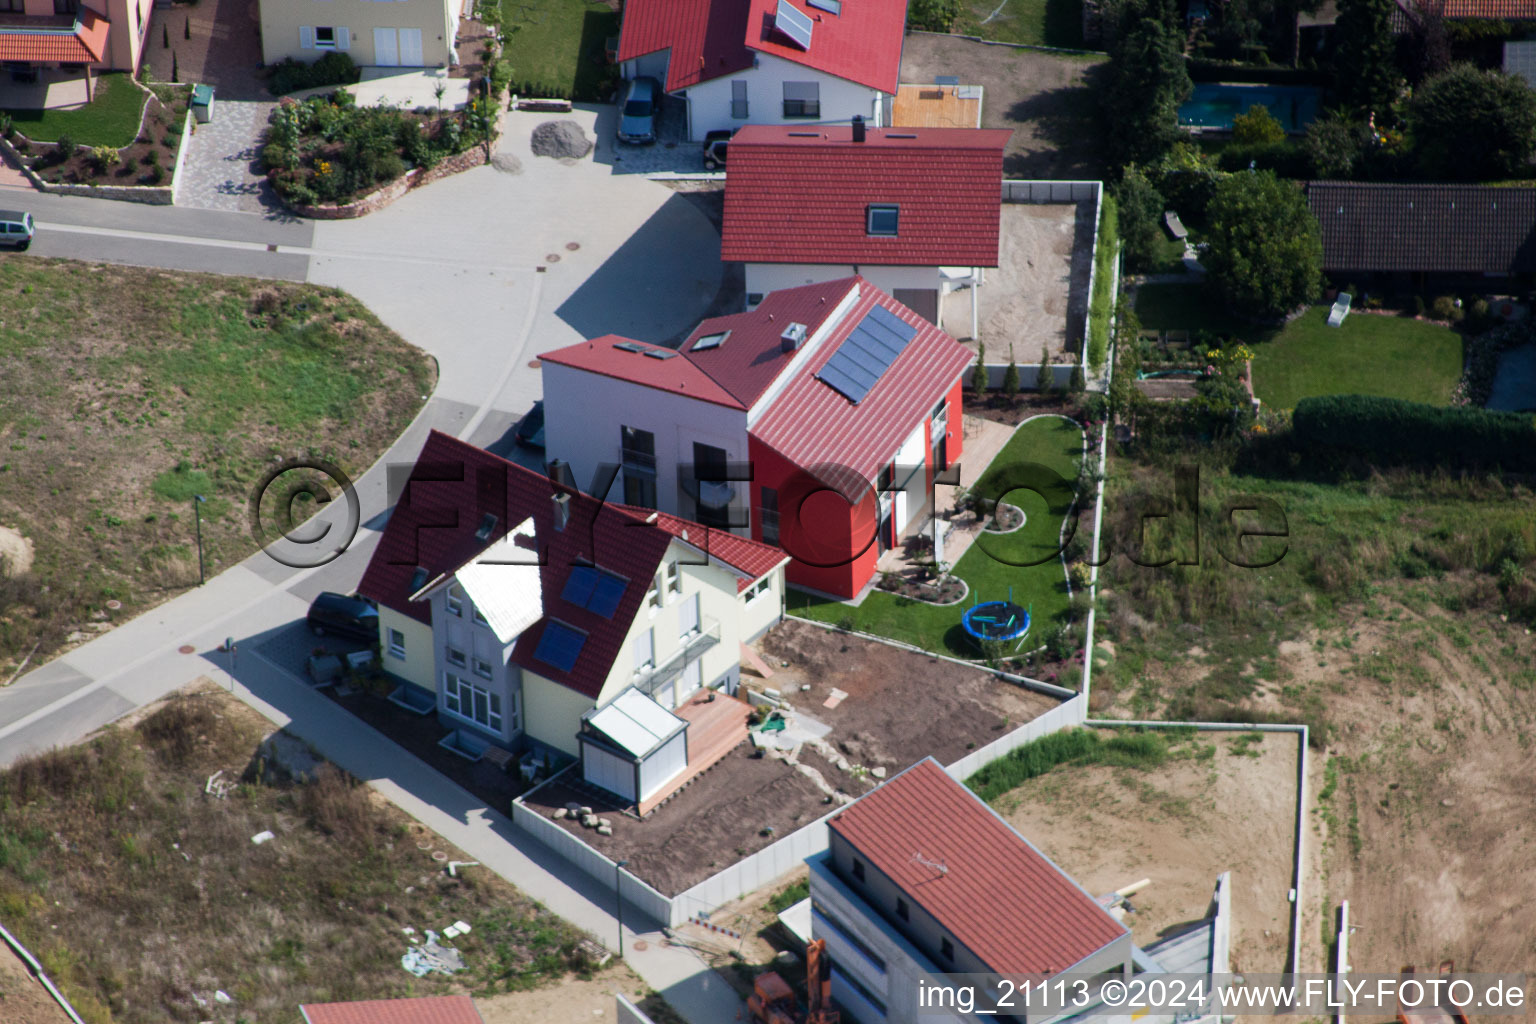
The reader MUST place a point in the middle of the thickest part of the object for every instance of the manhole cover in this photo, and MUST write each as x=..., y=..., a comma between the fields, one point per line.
x=534, y=364
x=114, y=605
x=572, y=246
x=186, y=649
x=553, y=257
x=439, y=855
x=640, y=945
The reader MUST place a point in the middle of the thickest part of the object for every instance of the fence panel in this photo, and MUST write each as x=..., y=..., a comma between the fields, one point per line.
x=753, y=872
x=592, y=863
x=1067, y=714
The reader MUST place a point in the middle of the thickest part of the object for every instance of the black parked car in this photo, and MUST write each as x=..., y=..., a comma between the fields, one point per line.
x=715, y=145
x=355, y=617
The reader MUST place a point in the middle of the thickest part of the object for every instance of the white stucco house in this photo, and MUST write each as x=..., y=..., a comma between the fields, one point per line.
x=538, y=621
x=915, y=211
x=738, y=62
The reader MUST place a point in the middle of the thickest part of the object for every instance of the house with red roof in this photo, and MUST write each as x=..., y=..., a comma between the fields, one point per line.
x=921, y=880
x=533, y=619
x=43, y=42
x=738, y=62
x=423, y=1010
x=916, y=211
x=815, y=422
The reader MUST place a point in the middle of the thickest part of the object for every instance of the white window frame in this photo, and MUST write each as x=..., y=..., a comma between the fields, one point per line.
x=645, y=640
x=453, y=600
x=692, y=601
x=881, y=209
x=674, y=579
x=758, y=589
x=453, y=702
x=739, y=104
x=396, y=643
x=808, y=97
x=653, y=596
x=482, y=668
x=455, y=657
x=335, y=41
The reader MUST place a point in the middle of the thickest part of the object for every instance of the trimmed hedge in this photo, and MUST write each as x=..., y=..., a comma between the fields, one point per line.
x=334, y=68
x=1390, y=431
x=1207, y=70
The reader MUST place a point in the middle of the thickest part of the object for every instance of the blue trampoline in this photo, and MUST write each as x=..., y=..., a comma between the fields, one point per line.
x=996, y=623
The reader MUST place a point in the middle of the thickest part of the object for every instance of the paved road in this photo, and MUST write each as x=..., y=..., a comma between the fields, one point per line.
x=482, y=270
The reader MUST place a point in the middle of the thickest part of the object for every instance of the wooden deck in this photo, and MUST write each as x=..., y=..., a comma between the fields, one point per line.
x=715, y=727
x=937, y=106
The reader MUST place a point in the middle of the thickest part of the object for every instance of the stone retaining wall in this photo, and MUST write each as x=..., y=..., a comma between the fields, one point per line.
x=414, y=178
x=152, y=195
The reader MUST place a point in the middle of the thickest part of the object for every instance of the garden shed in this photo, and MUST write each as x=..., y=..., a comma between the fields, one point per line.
x=632, y=746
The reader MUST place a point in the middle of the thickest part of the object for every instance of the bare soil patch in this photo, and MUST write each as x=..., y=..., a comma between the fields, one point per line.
x=1044, y=97
x=573, y=1001
x=23, y=1000
x=1180, y=825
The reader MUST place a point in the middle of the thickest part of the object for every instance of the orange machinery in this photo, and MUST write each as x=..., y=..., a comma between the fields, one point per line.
x=1447, y=1013
x=773, y=1002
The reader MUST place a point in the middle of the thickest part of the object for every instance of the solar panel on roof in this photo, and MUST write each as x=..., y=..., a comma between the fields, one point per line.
x=868, y=351
x=560, y=646
x=794, y=24
x=606, y=595
x=579, y=585
x=830, y=6
x=630, y=346
x=660, y=353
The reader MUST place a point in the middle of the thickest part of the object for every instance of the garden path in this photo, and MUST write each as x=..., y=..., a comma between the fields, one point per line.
x=222, y=168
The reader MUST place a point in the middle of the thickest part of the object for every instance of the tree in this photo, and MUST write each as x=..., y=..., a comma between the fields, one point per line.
x=1365, y=76
x=1141, y=91
x=1335, y=144
x=1141, y=210
x=1473, y=124
x=1123, y=393
x=1011, y=379
x=1266, y=252
x=932, y=15
x=1257, y=127
x=979, y=374
x=1045, y=379
x=175, y=69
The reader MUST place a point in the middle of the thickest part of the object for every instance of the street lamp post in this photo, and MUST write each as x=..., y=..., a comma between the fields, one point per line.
x=618, y=899
x=197, y=512
x=229, y=647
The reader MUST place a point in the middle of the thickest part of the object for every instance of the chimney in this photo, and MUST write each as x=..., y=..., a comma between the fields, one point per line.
x=562, y=509
x=858, y=127
x=560, y=472
x=792, y=338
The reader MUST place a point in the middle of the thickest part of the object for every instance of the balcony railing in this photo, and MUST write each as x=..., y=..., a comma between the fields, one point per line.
x=708, y=635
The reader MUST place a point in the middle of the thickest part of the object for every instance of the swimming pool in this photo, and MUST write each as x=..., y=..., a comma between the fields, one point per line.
x=1215, y=104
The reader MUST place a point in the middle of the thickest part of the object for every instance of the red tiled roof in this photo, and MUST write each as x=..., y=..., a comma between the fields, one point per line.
x=429, y=1010
x=862, y=44
x=811, y=424
x=706, y=37
x=999, y=897
x=85, y=45
x=1499, y=10
x=752, y=357
x=752, y=559
x=790, y=198
x=452, y=486
x=711, y=38
x=677, y=375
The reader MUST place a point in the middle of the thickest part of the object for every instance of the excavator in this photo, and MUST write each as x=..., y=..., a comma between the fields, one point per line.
x=1445, y=1013
x=773, y=1002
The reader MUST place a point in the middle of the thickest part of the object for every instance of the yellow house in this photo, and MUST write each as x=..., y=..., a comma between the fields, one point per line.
x=391, y=33
x=534, y=618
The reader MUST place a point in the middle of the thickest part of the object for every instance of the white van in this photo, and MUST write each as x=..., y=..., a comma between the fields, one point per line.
x=16, y=229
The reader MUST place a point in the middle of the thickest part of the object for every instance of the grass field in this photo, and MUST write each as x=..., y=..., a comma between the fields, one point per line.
x=142, y=895
x=993, y=564
x=558, y=43
x=110, y=119
x=1392, y=356
x=116, y=412
x=1035, y=22
x=1190, y=307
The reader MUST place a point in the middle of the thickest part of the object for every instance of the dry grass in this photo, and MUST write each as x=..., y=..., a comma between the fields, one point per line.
x=114, y=413
x=143, y=895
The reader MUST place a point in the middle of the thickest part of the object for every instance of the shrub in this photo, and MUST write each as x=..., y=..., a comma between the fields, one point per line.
x=1445, y=307
x=1418, y=305
x=1266, y=249
x=335, y=68
x=1257, y=127
x=1390, y=431
x=1011, y=378
x=66, y=146
x=932, y=15
x=105, y=156
x=156, y=174
x=1140, y=207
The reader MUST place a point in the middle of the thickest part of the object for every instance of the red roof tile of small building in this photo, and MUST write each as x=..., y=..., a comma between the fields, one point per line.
x=453, y=486
x=428, y=1010
x=802, y=196
x=707, y=37
x=751, y=558
x=1494, y=10
x=998, y=896
x=677, y=375
x=861, y=44
x=85, y=45
x=751, y=357
x=811, y=424
x=712, y=38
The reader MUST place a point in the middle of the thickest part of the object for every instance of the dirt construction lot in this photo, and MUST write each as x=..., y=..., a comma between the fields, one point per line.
x=1043, y=97
x=897, y=708
x=1180, y=825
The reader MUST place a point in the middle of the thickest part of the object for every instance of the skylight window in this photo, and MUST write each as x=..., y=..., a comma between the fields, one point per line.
x=560, y=646
x=882, y=219
x=487, y=526
x=595, y=590
x=418, y=579
x=794, y=23
x=833, y=7
x=710, y=341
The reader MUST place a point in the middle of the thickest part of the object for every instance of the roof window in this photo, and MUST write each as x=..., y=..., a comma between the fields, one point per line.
x=882, y=219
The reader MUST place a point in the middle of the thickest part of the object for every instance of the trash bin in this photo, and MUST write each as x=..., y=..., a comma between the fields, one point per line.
x=202, y=103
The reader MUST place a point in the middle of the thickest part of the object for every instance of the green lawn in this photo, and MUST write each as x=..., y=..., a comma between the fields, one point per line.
x=1191, y=307
x=1392, y=356
x=1052, y=443
x=111, y=119
x=1036, y=22
x=558, y=44
x=1169, y=258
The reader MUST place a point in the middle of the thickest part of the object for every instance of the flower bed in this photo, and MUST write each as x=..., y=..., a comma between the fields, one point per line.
x=147, y=161
x=949, y=590
x=328, y=150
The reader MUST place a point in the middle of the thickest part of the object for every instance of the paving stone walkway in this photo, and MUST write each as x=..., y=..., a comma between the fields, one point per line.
x=222, y=168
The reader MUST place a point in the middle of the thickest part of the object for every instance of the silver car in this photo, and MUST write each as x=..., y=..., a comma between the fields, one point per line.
x=637, y=110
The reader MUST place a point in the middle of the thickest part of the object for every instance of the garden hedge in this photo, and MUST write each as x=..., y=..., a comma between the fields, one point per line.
x=1390, y=431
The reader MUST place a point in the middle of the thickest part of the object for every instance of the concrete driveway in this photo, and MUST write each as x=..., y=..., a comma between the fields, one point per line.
x=488, y=268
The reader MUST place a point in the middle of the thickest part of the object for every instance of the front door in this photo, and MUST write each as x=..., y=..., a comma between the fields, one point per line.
x=386, y=49
x=410, y=47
